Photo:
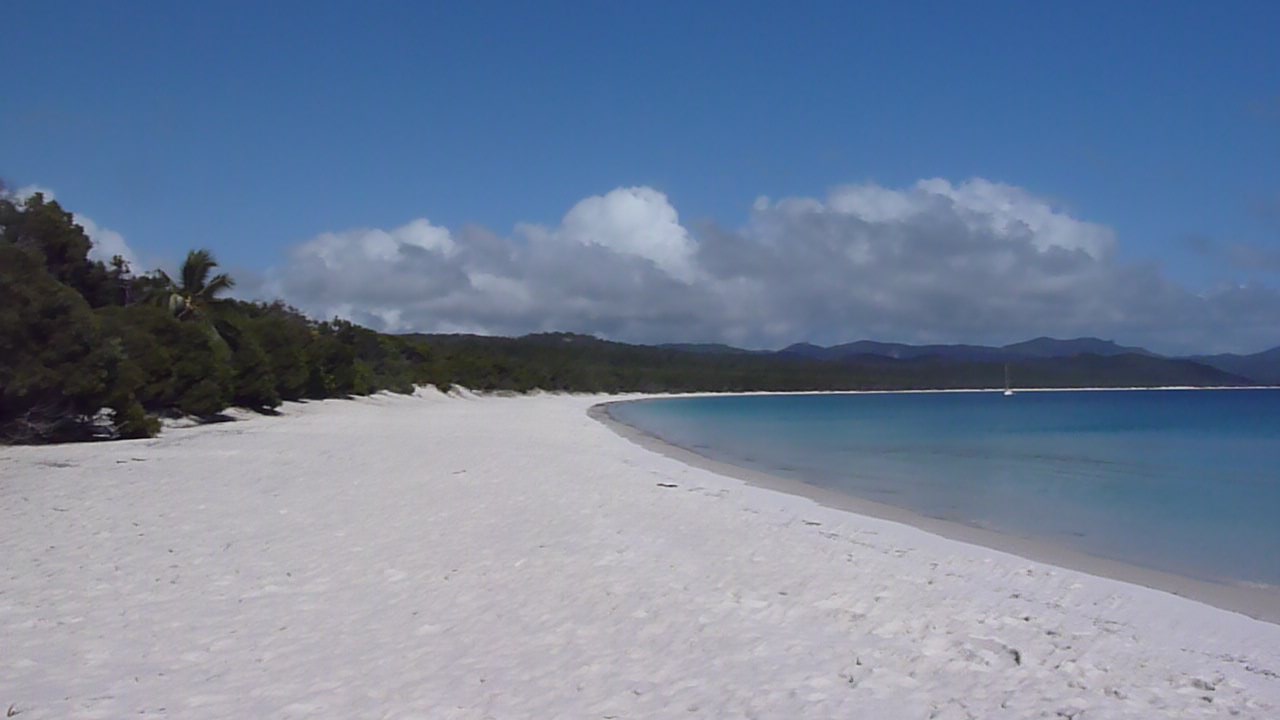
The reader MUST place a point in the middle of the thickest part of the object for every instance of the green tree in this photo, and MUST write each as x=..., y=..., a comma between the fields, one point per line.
x=253, y=385
x=51, y=233
x=284, y=335
x=206, y=378
x=57, y=369
x=185, y=368
x=332, y=363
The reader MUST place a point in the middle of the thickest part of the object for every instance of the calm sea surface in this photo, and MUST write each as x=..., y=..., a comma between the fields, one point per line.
x=1186, y=482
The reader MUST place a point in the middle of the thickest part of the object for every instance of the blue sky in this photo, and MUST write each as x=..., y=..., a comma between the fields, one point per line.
x=255, y=128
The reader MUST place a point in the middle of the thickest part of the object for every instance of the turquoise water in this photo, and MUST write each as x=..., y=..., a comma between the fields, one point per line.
x=1185, y=482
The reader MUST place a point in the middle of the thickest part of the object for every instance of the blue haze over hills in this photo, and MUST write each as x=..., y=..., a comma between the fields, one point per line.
x=1262, y=368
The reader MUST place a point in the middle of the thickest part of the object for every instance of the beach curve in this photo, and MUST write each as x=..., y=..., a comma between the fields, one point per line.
x=470, y=557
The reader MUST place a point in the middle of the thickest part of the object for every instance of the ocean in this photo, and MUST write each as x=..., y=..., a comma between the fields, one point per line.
x=1186, y=482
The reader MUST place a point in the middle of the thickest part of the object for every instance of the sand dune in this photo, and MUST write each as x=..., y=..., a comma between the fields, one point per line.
x=464, y=557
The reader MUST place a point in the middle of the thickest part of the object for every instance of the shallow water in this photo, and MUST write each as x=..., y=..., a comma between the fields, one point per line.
x=1182, y=481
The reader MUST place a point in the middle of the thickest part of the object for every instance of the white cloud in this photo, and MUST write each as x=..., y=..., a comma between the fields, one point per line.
x=27, y=191
x=335, y=249
x=936, y=262
x=1011, y=211
x=1001, y=209
x=635, y=221
x=107, y=243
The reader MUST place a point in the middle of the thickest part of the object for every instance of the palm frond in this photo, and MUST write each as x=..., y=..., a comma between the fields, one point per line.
x=220, y=283
x=195, y=270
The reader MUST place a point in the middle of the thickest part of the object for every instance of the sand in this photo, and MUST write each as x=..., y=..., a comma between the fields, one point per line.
x=464, y=557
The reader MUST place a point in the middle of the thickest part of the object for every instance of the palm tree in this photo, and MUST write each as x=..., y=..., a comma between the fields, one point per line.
x=197, y=293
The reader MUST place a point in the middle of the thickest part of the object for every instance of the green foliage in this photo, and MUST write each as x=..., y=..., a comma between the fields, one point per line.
x=283, y=335
x=205, y=398
x=182, y=369
x=252, y=384
x=381, y=362
x=562, y=361
x=147, y=336
x=50, y=233
x=186, y=368
x=331, y=365
x=131, y=421
x=56, y=368
x=202, y=372
x=153, y=345
x=197, y=293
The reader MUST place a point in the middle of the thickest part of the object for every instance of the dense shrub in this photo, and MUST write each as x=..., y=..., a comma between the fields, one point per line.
x=57, y=369
x=283, y=335
x=253, y=385
x=185, y=366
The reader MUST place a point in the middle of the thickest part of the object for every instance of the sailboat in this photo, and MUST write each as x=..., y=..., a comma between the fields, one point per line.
x=1008, y=390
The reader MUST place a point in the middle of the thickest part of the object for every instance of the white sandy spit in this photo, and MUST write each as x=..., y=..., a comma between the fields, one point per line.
x=433, y=557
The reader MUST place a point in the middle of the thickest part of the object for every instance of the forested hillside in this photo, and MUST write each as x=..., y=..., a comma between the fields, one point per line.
x=562, y=361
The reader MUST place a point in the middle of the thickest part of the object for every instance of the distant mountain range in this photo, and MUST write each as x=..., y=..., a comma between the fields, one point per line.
x=1263, y=367
x=1259, y=368
x=568, y=361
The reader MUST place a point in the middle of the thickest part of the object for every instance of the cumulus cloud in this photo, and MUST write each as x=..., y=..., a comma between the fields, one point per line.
x=637, y=222
x=107, y=243
x=976, y=261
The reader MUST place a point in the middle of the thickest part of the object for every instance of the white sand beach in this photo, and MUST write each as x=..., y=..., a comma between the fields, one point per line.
x=463, y=557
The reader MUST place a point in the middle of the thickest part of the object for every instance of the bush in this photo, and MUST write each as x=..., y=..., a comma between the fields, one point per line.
x=57, y=370
x=283, y=336
x=186, y=367
x=252, y=384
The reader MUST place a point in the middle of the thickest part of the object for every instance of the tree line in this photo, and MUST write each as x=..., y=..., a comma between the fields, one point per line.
x=92, y=350
x=89, y=349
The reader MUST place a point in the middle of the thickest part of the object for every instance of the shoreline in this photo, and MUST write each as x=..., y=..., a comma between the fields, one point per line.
x=511, y=556
x=1255, y=602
